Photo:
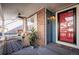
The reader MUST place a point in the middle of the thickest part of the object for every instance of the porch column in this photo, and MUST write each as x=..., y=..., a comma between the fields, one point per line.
x=26, y=40
x=24, y=25
x=2, y=19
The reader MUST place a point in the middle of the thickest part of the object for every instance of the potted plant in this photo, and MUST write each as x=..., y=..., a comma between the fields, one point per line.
x=33, y=37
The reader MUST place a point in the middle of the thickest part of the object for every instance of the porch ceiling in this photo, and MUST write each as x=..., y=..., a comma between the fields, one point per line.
x=30, y=8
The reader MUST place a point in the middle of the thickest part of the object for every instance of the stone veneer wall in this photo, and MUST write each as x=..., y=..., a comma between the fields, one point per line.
x=41, y=26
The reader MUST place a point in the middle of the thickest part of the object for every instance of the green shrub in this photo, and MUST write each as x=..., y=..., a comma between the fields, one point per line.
x=33, y=37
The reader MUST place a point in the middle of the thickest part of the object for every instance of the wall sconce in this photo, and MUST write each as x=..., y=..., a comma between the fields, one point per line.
x=52, y=17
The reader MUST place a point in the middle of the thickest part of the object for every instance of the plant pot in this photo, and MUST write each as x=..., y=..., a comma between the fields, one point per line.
x=32, y=47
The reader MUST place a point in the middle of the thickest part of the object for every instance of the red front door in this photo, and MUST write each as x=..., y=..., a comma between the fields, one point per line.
x=66, y=26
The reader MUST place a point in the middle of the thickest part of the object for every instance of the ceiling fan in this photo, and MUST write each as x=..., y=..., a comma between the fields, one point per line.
x=20, y=16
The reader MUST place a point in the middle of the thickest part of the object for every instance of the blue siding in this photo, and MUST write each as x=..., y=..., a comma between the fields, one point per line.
x=49, y=31
x=54, y=31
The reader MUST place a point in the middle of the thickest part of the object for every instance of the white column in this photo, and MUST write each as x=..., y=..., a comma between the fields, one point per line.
x=24, y=25
x=2, y=18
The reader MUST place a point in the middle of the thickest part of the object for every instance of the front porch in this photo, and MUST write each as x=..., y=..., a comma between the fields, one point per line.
x=55, y=26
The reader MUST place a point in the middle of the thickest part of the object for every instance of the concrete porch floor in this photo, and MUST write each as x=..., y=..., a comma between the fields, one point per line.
x=16, y=48
x=50, y=49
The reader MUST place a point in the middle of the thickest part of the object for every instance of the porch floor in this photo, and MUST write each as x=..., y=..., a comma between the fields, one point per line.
x=16, y=48
x=50, y=49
